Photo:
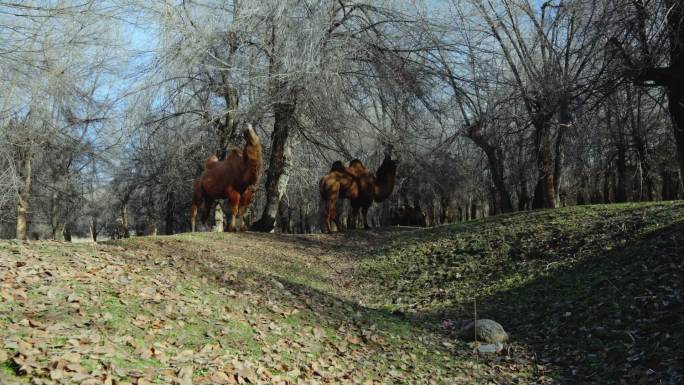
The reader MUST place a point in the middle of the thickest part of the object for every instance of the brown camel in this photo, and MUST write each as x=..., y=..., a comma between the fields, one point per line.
x=356, y=183
x=371, y=188
x=233, y=178
x=339, y=182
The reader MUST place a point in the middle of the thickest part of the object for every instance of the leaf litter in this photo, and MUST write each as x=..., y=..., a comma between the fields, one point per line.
x=218, y=309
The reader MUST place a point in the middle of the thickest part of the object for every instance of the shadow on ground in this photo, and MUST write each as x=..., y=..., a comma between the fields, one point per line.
x=615, y=315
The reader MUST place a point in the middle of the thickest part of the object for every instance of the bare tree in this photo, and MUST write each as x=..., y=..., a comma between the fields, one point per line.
x=650, y=40
x=554, y=68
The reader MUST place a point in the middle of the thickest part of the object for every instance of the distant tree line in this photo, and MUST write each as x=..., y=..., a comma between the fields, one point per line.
x=490, y=107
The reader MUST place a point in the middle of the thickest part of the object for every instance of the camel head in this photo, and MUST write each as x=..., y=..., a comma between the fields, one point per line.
x=251, y=136
x=251, y=156
x=389, y=166
x=385, y=179
x=337, y=166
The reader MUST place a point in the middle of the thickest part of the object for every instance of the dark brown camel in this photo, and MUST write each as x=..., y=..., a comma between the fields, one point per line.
x=233, y=178
x=371, y=188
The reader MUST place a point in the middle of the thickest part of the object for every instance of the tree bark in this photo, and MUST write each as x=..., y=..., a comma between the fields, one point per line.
x=670, y=77
x=524, y=196
x=124, y=217
x=219, y=216
x=564, y=123
x=676, y=107
x=606, y=185
x=25, y=174
x=502, y=198
x=643, y=161
x=57, y=227
x=669, y=185
x=93, y=228
x=621, y=160
x=67, y=233
x=170, y=217
x=544, y=192
x=277, y=175
x=675, y=94
x=227, y=129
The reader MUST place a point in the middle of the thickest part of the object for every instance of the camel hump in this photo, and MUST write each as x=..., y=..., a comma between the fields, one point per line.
x=337, y=166
x=212, y=160
x=357, y=168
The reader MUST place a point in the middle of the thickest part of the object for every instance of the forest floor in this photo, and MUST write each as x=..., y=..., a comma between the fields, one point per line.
x=590, y=294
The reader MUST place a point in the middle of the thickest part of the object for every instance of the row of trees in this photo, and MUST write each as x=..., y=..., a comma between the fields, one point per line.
x=491, y=106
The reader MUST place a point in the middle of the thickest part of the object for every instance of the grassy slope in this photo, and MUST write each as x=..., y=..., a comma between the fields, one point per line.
x=589, y=294
x=224, y=308
x=596, y=291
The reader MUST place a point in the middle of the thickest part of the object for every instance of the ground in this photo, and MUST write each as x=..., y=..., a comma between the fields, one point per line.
x=589, y=294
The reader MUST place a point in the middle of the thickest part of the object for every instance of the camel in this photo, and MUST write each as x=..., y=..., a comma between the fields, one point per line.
x=372, y=188
x=233, y=178
x=339, y=182
x=356, y=183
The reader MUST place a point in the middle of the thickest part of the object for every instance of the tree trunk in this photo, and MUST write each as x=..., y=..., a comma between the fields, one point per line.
x=606, y=186
x=671, y=182
x=227, y=129
x=670, y=77
x=580, y=199
x=124, y=218
x=621, y=169
x=544, y=192
x=22, y=208
x=444, y=205
x=67, y=233
x=564, y=123
x=93, y=228
x=495, y=208
x=170, y=217
x=524, y=196
x=219, y=216
x=497, y=170
x=56, y=225
x=621, y=160
x=282, y=220
x=501, y=198
x=645, y=177
x=675, y=92
x=25, y=174
x=277, y=175
x=58, y=231
x=676, y=107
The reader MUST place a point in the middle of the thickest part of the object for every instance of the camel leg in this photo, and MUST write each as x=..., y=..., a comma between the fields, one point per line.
x=234, y=201
x=193, y=216
x=364, y=211
x=330, y=212
x=336, y=217
x=328, y=215
x=204, y=215
x=354, y=217
x=326, y=218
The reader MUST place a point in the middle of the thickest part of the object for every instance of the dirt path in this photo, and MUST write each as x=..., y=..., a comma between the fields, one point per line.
x=325, y=262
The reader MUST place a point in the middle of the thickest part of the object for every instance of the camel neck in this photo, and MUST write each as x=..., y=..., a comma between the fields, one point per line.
x=384, y=186
x=251, y=162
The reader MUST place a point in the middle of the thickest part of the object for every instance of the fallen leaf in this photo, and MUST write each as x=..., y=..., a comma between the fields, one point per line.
x=185, y=375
